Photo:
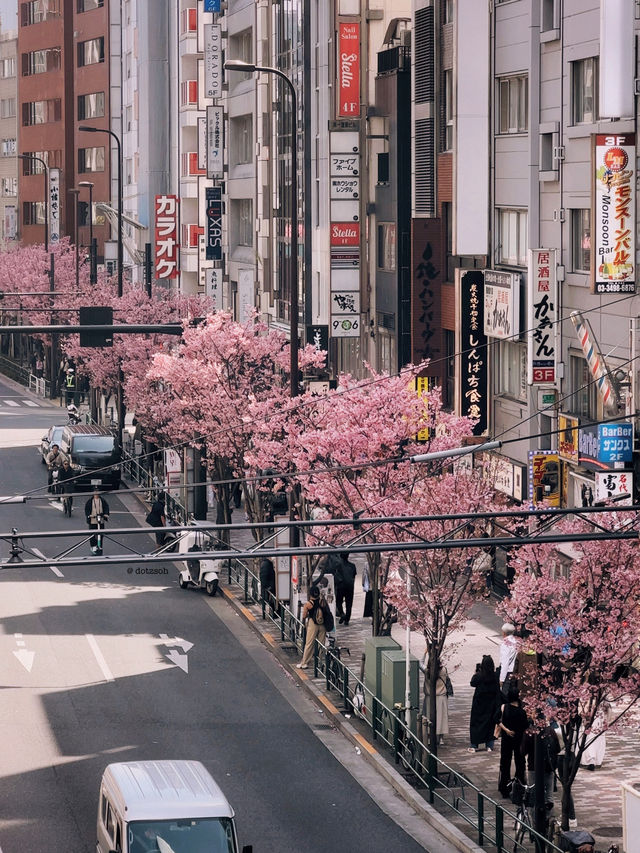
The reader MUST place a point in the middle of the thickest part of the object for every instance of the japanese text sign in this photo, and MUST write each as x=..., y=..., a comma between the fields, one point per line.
x=614, y=484
x=568, y=444
x=501, y=304
x=542, y=317
x=615, y=442
x=614, y=219
x=348, y=70
x=544, y=478
x=473, y=350
x=211, y=5
x=166, y=236
x=54, y=205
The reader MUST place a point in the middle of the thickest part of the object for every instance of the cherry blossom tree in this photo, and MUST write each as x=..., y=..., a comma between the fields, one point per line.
x=208, y=391
x=584, y=625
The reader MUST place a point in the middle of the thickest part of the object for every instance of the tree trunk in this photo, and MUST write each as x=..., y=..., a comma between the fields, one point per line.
x=433, y=668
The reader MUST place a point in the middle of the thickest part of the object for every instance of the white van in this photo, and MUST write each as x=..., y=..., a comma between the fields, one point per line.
x=164, y=807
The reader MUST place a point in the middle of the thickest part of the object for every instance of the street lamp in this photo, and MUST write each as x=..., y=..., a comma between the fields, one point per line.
x=45, y=172
x=92, y=253
x=75, y=193
x=85, y=128
x=239, y=65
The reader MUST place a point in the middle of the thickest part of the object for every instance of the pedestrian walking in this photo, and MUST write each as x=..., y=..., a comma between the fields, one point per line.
x=345, y=579
x=484, y=705
x=508, y=652
x=267, y=581
x=156, y=518
x=66, y=481
x=96, y=511
x=319, y=619
x=512, y=723
x=550, y=751
x=442, y=700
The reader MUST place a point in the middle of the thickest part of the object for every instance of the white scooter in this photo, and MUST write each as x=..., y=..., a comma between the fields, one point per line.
x=198, y=574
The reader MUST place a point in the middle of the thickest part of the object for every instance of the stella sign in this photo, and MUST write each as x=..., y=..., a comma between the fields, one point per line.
x=345, y=233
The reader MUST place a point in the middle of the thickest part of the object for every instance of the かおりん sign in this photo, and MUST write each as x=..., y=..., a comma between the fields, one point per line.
x=166, y=236
x=348, y=70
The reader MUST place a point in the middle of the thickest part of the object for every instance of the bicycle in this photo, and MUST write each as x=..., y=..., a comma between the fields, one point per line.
x=335, y=668
x=405, y=744
x=524, y=797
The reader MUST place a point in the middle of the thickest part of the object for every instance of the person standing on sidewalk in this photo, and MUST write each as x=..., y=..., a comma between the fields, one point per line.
x=513, y=724
x=484, y=705
x=508, y=652
x=319, y=620
x=267, y=581
x=442, y=700
x=345, y=579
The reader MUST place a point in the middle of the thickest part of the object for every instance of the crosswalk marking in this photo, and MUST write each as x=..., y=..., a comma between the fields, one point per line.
x=10, y=403
x=17, y=404
x=30, y=403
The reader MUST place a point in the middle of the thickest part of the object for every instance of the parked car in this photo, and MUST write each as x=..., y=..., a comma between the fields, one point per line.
x=94, y=454
x=52, y=437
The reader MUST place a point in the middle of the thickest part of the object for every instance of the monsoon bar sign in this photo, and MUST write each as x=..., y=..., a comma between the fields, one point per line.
x=613, y=255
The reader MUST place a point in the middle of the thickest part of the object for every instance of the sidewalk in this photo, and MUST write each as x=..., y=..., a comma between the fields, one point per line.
x=597, y=794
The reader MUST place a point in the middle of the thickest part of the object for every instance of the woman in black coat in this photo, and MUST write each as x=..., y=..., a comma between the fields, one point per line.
x=486, y=701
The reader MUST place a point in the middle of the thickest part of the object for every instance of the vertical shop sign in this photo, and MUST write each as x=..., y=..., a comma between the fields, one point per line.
x=543, y=314
x=568, y=445
x=166, y=236
x=54, y=205
x=211, y=5
x=213, y=197
x=614, y=485
x=473, y=350
x=348, y=70
x=501, y=304
x=544, y=477
x=614, y=219
x=213, y=287
x=212, y=61
x=214, y=143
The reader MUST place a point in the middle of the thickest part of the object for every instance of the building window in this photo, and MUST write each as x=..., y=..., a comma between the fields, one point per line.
x=90, y=106
x=448, y=109
x=583, y=401
x=37, y=11
x=53, y=159
x=91, y=160
x=513, y=104
x=242, y=139
x=449, y=9
x=87, y=5
x=512, y=237
x=383, y=168
x=584, y=81
x=242, y=223
x=8, y=148
x=41, y=112
x=387, y=246
x=33, y=213
x=41, y=61
x=9, y=186
x=7, y=107
x=90, y=52
x=8, y=67
x=241, y=47
x=449, y=389
x=512, y=370
x=581, y=239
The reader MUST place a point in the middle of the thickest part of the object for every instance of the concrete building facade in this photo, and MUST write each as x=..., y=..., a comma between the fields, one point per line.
x=8, y=138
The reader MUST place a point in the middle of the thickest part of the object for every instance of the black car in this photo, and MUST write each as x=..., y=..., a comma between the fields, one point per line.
x=94, y=454
x=52, y=437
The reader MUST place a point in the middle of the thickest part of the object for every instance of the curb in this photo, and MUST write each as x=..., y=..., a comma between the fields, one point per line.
x=429, y=814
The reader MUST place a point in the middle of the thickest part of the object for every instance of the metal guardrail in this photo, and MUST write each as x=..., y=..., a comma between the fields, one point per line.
x=134, y=470
x=445, y=786
x=24, y=376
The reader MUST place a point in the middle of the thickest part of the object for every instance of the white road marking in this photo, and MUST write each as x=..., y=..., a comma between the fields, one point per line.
x=25, y=658
x=10, y=403
x=185, y=645
x=31, y=403
x=53, y=568
x=180, y=660
x=56, y=505
x=20, y=643
x=18, y=636
x=108, y=675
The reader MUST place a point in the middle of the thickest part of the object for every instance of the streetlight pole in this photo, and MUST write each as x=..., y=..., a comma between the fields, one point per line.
x=115, y=136
x=92, y=264
x=239, y=65
x=45, y=173
x=75, y=193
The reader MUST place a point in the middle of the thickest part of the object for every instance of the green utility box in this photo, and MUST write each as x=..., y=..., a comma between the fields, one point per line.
x=393, y=682
x=374, y=647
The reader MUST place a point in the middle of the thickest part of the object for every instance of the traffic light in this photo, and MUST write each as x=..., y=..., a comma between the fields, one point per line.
x=102, y=316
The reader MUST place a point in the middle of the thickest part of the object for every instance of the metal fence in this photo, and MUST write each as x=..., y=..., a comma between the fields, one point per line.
x=450, y=790
x=134, y=470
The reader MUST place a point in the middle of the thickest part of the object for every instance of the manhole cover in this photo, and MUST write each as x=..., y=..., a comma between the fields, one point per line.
x=608, y=831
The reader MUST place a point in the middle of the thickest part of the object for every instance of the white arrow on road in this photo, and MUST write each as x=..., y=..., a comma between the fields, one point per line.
x=179, y=659
x=185, y=645
x=25, y=658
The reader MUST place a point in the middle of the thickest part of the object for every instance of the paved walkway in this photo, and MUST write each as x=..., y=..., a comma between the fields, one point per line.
x=597, y=794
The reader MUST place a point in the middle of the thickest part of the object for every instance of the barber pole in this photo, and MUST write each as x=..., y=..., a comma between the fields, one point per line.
x=596, y=363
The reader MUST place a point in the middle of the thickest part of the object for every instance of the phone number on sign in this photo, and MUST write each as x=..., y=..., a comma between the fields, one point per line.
x=615, y=287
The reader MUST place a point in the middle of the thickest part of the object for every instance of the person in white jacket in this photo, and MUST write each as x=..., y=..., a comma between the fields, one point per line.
x=508, y=652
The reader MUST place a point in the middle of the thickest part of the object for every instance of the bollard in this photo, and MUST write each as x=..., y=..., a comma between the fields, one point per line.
x=396, y=738
x=345, y=687
x=499, y=827
x=480, y=818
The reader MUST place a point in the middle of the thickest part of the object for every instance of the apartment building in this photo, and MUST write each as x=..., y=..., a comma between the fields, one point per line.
x=63, y=82
x=524, y=192
x=8, y=138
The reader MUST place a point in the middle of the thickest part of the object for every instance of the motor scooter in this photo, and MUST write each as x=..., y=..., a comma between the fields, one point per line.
x=198, y=574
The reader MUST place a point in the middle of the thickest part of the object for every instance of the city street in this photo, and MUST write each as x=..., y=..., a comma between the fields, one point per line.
x=107, y=664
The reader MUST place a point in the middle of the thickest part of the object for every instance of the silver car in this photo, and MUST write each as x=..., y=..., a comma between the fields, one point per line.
x=52, y=437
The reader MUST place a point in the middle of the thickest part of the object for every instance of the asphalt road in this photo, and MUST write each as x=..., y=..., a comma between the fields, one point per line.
x=102, y=664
